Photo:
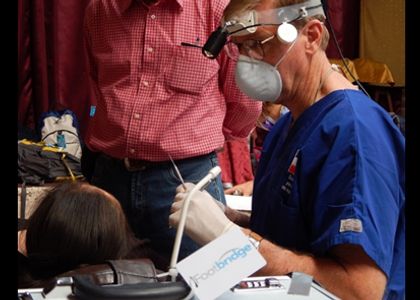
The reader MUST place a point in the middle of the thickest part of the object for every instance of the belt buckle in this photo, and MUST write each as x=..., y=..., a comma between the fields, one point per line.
x=131, y=168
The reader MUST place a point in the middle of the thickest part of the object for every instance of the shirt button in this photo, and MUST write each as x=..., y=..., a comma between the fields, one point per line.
x=149, y=49
x=145, y=83
x=152, y=17
x=137, y=116
x=132, y=151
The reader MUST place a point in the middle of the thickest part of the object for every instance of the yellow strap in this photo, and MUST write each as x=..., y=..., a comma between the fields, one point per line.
x=42, y=144
x=63, y=156
x=64, y=178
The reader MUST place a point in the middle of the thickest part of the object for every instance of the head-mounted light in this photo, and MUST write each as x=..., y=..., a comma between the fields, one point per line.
x=248, y=22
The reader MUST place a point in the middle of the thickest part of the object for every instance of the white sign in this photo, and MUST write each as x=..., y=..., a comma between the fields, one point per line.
x=239, y=202
x=219, y=265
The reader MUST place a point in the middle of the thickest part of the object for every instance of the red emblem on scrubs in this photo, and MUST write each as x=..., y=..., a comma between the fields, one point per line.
x=292, y=167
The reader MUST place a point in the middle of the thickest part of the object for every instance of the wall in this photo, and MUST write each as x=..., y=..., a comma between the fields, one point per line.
x=382, y=34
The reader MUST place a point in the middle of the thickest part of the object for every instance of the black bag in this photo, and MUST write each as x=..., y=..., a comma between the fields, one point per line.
x=38, y=164
x=85, y=289
x=113, y=280
x=124, y=279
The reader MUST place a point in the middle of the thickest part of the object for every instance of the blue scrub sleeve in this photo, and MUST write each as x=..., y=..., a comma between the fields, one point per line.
x=354, y=201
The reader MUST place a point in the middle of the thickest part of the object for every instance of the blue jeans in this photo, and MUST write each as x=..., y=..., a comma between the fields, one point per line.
x=146, y=196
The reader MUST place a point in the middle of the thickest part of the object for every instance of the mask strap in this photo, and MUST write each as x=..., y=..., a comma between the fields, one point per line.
x=288, y=50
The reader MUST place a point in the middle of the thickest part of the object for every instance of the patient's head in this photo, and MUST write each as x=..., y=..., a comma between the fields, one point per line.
x=76, y=223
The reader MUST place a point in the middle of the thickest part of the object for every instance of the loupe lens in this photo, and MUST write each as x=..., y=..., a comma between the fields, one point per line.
x=208, y=54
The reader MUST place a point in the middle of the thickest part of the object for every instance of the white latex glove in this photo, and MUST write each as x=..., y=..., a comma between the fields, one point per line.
x=205, y=217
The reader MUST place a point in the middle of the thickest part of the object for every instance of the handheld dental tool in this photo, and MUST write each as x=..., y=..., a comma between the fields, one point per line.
x=177, y=172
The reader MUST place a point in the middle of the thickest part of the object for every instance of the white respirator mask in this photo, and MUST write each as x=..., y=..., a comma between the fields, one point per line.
x=259, y=80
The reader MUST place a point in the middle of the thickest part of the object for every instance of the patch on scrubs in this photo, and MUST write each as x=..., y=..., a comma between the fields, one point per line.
x=351, y=225
x=292, y=167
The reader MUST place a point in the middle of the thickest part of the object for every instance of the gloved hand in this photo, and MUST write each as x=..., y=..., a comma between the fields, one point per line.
x=205, y=218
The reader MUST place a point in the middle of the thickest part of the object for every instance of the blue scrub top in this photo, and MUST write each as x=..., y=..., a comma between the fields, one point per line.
x=336, y=177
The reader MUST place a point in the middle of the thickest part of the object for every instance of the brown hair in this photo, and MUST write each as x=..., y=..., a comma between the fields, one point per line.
x=75, y=224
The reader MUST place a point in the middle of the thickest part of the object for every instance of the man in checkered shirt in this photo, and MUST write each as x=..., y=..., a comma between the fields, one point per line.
x=156, y=98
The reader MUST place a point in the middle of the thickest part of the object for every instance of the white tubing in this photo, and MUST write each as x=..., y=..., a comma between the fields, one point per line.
x=213, y=173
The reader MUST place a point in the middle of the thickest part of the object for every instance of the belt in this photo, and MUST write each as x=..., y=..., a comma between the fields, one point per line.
x=133, y=165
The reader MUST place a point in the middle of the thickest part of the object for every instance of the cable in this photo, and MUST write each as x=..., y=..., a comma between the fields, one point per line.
x=341, y=53
x=201, y=185
x=191, y=45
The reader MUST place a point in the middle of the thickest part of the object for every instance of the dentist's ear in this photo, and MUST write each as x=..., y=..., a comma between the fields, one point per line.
x=287, y=33
x=313, y=31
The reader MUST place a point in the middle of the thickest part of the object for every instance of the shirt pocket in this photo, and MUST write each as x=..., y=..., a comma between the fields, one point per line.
x=189, y=71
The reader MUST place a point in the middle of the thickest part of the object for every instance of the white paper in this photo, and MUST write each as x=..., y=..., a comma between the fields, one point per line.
x=239, y=202
x=219, y=265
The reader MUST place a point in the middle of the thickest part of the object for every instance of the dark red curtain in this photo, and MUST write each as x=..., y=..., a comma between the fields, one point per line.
x=51, y=64
x=235, y=161
x=344, y=18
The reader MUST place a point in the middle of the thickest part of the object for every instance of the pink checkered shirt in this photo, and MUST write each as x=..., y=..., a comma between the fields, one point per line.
x=155, y=97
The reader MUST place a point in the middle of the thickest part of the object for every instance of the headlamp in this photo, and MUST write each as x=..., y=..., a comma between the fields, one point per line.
x=248, y=22
x=215, y=43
